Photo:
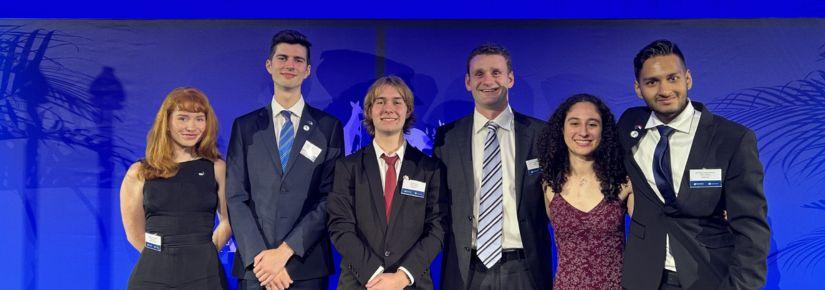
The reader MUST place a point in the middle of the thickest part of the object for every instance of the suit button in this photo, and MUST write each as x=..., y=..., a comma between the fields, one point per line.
x=387, y=254
x=470, y=218
x=467, y=249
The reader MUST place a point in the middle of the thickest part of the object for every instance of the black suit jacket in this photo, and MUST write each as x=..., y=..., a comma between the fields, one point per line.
x=358, y=223
x=268, y=206
x=453, y=146
x=710, y=251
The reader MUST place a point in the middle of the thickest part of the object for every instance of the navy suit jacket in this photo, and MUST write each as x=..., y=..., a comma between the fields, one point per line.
x=358, y=222
x=453, y=146
x=268, y=206
x=711, y=252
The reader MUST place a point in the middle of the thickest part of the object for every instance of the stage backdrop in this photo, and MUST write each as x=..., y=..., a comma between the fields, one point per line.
x=78, y=96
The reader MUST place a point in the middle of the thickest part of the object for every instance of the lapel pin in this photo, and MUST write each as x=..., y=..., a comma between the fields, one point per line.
x=306, y=127
x=201, y=173
x=634, y=134
x=406, y=177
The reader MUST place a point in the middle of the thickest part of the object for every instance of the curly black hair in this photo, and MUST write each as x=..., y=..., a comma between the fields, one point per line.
x=554, y=157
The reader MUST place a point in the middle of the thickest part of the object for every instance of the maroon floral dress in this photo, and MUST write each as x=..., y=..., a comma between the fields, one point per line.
x=589, y=244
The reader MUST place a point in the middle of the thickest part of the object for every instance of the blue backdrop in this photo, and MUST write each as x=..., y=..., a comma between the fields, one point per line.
x=78, y=96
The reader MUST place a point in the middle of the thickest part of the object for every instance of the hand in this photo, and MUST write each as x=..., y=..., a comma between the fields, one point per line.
x=282, y=281
x=269, y=263
x=391, y=281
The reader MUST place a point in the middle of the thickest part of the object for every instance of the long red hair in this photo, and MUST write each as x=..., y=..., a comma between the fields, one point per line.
x=160, y=159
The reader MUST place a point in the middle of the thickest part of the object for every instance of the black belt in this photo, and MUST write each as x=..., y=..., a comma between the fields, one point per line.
x=185, y=240
x=671, y=278
x=508, y=254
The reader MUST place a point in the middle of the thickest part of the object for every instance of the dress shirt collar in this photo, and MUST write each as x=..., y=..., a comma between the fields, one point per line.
x=296, y=109
x=504, y=120
x=399, y=152
x=682, y=122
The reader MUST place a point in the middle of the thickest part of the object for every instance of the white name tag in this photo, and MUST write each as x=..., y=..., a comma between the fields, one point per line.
x=413, y=188
x=533, y=166
x=310, y=151
x=702, y=178
x=153, y=241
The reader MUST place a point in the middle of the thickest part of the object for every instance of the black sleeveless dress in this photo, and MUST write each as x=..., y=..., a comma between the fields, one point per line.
x=181, y=209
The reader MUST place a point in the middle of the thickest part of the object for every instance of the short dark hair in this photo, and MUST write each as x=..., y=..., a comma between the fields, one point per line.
x=661, y=47
x=490, y=49
x=290, y=37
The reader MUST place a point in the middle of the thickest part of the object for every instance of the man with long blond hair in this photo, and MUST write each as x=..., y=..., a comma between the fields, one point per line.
x=280, y=164
x=390, y=226
x=169, y=199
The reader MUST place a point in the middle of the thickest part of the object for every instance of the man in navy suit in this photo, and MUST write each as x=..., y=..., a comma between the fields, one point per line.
x=498, y=236
x=699, y=220
x=279, y=171
x=387, y=208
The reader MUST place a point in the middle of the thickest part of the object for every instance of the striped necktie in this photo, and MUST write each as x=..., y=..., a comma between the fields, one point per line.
x=286, y=137
x=490, y=209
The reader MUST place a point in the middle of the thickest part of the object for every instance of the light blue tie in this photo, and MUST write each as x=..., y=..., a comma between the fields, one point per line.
x=490, y=208
x=286, y=137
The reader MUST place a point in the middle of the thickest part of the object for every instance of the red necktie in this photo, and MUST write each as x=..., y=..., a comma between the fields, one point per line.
x=389, y=182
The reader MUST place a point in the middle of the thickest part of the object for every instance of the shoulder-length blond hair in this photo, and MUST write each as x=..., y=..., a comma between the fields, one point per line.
x=160, y=159
x=403, y=90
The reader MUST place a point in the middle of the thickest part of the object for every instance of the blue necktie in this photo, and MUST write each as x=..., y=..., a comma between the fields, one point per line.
x=490, y=207
x=661, y=165
x=286, y=137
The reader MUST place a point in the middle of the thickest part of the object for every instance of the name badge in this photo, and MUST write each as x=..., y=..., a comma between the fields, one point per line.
x=310, y=151
x=413, y=188
x=153, y=241
x=533, y=166
x=704, y=178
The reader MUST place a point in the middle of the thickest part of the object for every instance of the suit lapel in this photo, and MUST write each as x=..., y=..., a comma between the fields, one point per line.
x=638, y=126
x=370, y=165
x=698, y=150
x=267, y=128
x=409, y=168
x=464, y=145
x=306, y=127
x=524, y=142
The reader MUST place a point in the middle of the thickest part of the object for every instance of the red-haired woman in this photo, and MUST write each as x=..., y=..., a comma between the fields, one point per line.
x=169, y=199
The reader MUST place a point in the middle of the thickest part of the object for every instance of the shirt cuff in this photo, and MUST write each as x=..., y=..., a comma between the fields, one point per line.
x=410, y=276
x=377, y=272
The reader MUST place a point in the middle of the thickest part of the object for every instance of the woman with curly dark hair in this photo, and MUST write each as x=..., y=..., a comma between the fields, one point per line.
x=587, y=193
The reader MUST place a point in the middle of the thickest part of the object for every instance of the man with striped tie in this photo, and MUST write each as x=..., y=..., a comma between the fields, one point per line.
x=499, y=237
x=279, y=171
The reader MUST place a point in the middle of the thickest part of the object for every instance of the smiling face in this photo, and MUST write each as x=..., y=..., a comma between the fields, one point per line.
x=663, y=83
x=288, y=66
x=388, y=111
x=489, y=80
x=186, y=128
x=582, y=129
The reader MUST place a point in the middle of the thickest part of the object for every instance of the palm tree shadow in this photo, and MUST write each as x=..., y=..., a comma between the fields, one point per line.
x=788, y=121
x=51, y=108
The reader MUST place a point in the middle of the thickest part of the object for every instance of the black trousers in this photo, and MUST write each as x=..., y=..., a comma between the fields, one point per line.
x=670, y=281
x=510, y=273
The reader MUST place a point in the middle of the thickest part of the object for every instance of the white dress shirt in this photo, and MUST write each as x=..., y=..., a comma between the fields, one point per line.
x=278, y=119
x=382, y=167
x=685, y=125
x=507, y=144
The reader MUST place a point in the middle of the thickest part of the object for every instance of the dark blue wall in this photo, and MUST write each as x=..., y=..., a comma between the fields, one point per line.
x=78, y=96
